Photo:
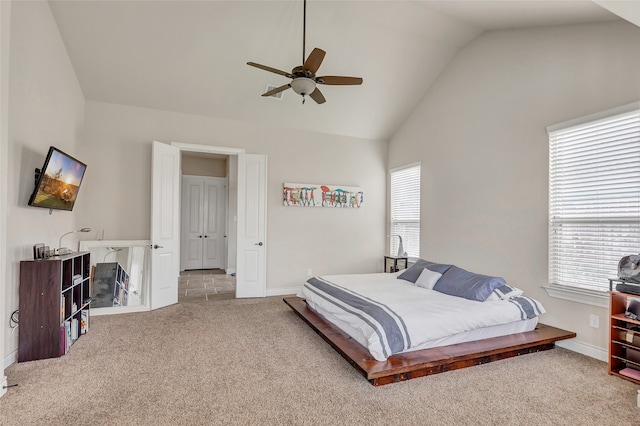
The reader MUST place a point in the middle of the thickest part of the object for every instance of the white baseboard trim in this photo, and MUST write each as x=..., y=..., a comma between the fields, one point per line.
x=96, y=312
x=584, y=349
x=10, y=359
x=3, y=386
x=283, y=291
x=230, y=271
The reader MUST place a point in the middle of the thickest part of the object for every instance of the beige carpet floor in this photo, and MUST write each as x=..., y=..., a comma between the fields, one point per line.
x=254, y=362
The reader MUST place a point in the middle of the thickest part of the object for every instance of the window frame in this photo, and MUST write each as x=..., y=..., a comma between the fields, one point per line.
x=394, y=242
x=597, y=297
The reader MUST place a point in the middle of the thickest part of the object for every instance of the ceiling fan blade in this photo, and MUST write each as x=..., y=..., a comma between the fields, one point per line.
x=277, y=90
x=334, y=80
x=314, y=60
x=266, y=68
x=317, y=96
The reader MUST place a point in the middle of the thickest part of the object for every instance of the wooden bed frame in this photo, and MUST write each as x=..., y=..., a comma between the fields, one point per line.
x=411, y=365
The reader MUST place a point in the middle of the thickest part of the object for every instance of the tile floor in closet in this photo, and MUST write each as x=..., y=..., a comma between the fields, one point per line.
x=206, y=284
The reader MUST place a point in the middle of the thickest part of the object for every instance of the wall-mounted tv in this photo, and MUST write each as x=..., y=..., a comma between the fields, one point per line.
x=58, y=181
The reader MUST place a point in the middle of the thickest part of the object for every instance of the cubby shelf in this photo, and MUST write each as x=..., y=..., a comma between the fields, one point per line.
x=55, y=293
x=624, y=336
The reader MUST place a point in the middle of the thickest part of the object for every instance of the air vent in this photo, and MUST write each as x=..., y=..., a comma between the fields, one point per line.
x=277, y=95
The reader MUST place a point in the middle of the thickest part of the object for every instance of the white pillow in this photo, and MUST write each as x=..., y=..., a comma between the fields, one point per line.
x=428, y=279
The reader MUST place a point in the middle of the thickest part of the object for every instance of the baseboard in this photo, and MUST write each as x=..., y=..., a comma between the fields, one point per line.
x=230, y=271
x=3, y=386
x=10, y=359
x=117, y=310
x=283, y=291
x=584, y=349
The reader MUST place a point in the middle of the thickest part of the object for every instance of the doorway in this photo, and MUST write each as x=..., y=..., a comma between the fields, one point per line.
x=247, y=223
x=206, y=285
x=203, y=222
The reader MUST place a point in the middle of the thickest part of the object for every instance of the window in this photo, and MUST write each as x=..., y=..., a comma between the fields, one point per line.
x=594, y=197
x=405, y=209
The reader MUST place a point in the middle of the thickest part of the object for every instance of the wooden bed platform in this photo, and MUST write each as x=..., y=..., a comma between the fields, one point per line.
x=425, y=362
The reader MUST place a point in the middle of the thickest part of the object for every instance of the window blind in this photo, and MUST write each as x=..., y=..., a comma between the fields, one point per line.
x=594, y=199
x=405, y=210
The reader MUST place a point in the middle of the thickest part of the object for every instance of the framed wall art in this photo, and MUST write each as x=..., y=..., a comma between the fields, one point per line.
x=317, y=195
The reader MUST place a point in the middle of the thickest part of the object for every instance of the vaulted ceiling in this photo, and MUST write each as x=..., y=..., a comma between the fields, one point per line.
x=190, y=56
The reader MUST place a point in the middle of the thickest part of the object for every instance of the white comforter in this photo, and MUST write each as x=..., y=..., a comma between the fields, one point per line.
x=427, y=315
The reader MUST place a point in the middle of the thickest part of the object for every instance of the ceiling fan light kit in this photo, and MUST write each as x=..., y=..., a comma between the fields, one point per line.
x=303, y=86
x=303, y=78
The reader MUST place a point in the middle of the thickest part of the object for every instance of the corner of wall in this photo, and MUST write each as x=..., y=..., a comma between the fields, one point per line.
x=5, y=27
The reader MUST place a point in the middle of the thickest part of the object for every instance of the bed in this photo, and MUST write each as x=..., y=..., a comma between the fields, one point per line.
x=427, y=319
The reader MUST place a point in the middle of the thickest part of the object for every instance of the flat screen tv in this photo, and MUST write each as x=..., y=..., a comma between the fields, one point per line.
x=58, y=182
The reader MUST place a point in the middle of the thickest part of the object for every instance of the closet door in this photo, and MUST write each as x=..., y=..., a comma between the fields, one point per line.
x=192, y=233
x=203, y=222
x=214, y=206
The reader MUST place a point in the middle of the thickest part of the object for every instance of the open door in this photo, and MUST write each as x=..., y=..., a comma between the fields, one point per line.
x=251, y=274
x=165, y=225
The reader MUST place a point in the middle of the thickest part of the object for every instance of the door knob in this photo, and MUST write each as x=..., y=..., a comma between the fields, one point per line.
x=258, y=244
x=206, y=236
x=155, y=246
x=199, y=236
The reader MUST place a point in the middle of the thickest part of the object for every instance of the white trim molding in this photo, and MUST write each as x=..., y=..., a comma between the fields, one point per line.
x=584, y=349
x=283, y=291
x=3, y=385
x=580, y=295
x=96, y=312
x=189, y=147
x=10, y=358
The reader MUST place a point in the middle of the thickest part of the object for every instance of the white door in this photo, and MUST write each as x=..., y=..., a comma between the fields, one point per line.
x=251, y=276
x=192, y=226
x=214, y=210
x=203, y=216
x=165, y=225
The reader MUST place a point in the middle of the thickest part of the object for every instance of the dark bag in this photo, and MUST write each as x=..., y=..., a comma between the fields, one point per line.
x=629, y=268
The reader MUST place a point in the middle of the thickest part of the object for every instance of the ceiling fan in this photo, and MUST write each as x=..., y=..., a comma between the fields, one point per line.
x=303, y=78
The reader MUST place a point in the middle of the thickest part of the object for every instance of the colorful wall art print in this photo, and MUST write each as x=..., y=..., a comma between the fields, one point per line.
x=315, y=195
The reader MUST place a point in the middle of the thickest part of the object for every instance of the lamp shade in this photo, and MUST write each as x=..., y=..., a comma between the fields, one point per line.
x=303, y=86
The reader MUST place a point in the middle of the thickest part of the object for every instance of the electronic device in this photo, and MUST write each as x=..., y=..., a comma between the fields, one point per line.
x=58, y=182
x=38, y=251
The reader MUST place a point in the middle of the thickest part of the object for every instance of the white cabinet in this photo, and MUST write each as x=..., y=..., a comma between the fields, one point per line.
x=203, y=227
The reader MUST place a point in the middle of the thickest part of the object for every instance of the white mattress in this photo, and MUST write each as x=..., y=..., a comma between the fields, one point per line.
x=431, y=319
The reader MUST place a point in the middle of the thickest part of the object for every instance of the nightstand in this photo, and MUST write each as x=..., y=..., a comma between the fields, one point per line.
x=394, y=264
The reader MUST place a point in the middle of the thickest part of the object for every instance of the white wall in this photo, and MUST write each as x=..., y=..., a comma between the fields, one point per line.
x=480, y=134
x=116, y=191
x=5, y=33
x=46, y=107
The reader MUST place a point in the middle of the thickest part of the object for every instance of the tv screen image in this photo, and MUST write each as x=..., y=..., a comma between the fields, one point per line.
x=59, y=181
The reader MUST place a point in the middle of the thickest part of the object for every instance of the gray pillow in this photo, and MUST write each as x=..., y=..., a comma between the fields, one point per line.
x=412, y=273
x=458, y=282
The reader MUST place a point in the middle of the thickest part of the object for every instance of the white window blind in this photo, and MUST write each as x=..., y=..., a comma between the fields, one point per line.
x=405, y=210
x=594, y=199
